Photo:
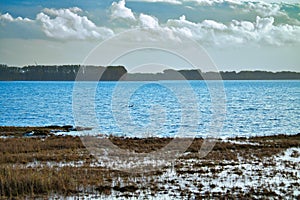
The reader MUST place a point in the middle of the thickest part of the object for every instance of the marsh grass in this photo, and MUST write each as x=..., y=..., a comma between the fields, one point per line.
x=19, y=179
x=24, y=150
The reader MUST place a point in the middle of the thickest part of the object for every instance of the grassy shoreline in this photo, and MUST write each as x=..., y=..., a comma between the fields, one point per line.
x=50, y=165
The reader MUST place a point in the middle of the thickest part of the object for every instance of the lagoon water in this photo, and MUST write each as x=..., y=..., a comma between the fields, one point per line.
x=157, y=108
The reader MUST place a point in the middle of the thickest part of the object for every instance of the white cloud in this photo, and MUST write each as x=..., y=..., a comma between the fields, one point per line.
x=262, y=8
x=7, y=17
x=119, y=10
x=259, y=7
x=264, y=24
x=147, y=21
x=182, y=23
x=262, y=32
x=52, y=11
x=212, y=33
x=160, y=1
x=266, y=29
x=67, y=24
x=214, y=2
x=205, y=2
x=213, y=25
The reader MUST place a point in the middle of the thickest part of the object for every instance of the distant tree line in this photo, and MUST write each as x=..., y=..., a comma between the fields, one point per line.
x=170, y=74
x=61, y=73
x=260, y=75
x=114, y=73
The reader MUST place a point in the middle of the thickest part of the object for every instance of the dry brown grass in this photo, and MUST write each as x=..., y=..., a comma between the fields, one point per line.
x=17, y=180
x=24, y=150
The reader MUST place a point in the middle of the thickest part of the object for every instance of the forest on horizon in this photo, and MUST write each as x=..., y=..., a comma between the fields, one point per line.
x=115, y=73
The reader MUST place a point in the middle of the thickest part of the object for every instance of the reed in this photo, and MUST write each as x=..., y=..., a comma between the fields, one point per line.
x=19, y=178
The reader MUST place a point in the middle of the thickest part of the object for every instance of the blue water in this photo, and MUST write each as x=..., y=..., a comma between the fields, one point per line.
x=157, y=108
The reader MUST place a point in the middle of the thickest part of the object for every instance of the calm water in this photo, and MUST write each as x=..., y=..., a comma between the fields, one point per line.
x=252, y=107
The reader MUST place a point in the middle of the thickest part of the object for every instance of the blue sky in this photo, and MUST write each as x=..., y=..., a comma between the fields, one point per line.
x=238, y=35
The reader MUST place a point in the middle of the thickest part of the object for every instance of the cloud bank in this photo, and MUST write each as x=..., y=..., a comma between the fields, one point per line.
x=261, y=32
x=8, y=18
x=268, y=24
x=67, y=24
x=264, y=30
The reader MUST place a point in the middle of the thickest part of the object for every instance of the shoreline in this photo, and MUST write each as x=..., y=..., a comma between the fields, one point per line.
x=55, y=166
x=56, y=130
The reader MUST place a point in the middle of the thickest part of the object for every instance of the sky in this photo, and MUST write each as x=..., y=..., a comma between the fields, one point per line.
x=236, y=34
